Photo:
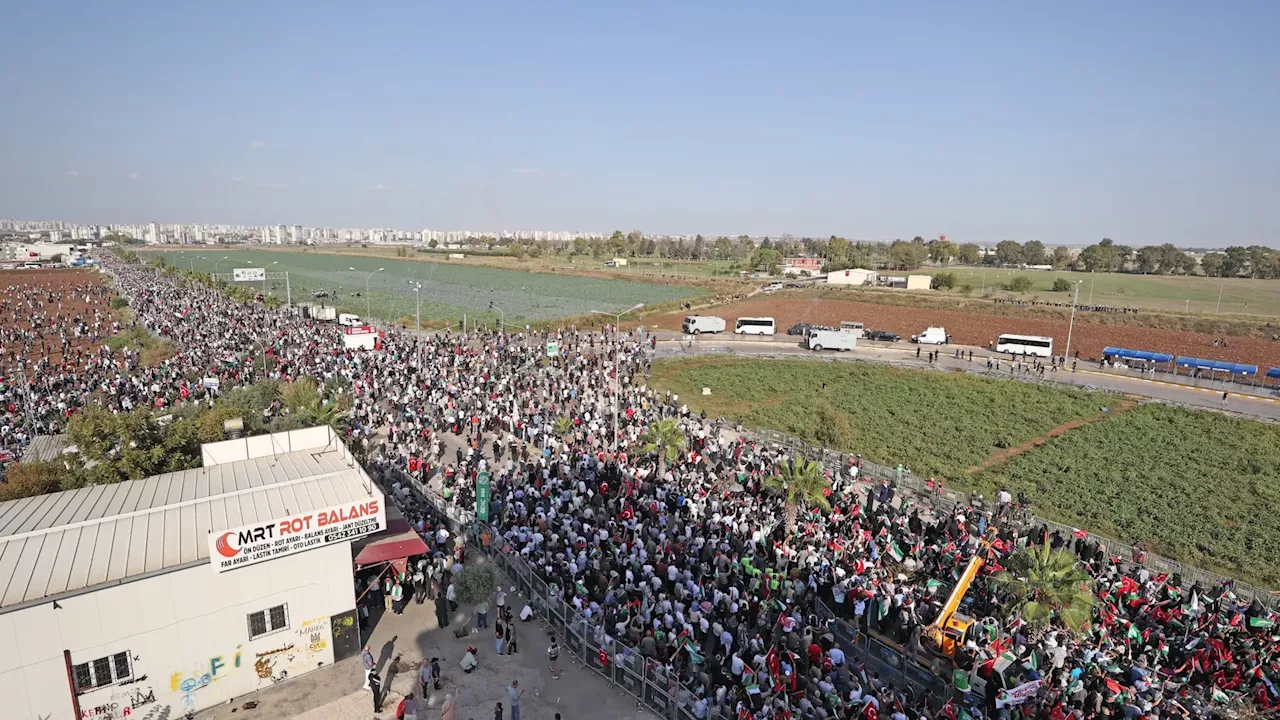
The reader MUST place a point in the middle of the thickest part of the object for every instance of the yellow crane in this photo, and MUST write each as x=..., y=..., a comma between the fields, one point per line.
x=949, y=629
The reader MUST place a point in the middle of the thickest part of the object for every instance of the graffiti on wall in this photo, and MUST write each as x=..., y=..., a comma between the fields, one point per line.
x=315, y=633
x=344, y=635
x=267, y=661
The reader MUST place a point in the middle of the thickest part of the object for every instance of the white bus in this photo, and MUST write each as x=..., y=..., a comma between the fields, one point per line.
x=1025, y=345
x=755, y=326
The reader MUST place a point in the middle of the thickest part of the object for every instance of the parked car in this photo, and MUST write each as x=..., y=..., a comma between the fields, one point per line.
x=883, y=336
x=773, y=287
x=801, y=329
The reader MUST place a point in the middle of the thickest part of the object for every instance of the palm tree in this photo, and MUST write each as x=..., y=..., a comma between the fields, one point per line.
x=803, y=484
x=563, y=427
x=666, y=438
x=306, y=406
x=1048, y=586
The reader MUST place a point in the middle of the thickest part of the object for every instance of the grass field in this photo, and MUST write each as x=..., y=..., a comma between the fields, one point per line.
x=925, y=420
x=1165, y=292
x=1197, y=486
x=448, y=291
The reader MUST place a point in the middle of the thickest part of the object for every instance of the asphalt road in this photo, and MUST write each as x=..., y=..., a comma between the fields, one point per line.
x=1208, y=396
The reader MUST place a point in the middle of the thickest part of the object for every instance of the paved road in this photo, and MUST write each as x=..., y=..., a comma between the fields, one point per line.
x=1087, y=375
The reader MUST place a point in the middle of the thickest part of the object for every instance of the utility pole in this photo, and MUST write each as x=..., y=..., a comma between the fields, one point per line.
x=1092, y=279
x=368, y=307
x=1071, y=325
x=502, y=318
x=417, y=318
x=1217, y=309
x=617, y=350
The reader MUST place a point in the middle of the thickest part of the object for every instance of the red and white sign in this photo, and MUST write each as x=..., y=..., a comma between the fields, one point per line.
x=360, y=330
x=252, y=544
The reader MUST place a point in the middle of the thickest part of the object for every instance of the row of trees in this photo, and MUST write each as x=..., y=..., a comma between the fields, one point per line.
x=112, y=447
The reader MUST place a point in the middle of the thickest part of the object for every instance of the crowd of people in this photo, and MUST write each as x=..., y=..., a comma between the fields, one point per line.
x=676, y=553
x=1088, y=307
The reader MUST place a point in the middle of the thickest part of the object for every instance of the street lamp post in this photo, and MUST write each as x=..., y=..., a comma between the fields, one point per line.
x=417, y=317
x=1071, y=325
x=502, y=318
x=1092, y=279
x=264, y=281
x=1218, y=308
x=368, y=306
x=219, y=262
x=617, y=350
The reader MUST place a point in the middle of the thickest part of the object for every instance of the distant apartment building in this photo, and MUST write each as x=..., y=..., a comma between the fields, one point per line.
x=802, y=266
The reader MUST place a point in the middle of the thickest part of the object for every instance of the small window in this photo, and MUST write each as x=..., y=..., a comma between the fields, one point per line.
x=266, y=622
x=102, y=672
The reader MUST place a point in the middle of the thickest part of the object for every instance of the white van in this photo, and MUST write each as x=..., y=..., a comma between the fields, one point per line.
x=832, y=340
x=931, y=336
x=698, y=324
x=755, y=326
x=349, y=319
x=852, y=326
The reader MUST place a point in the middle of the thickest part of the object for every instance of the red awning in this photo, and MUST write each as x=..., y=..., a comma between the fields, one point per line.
x=396, y=547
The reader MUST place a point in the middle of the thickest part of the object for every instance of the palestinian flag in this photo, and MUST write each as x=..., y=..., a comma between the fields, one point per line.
x=933, y=586
x=1261, y=622
x=895, y=552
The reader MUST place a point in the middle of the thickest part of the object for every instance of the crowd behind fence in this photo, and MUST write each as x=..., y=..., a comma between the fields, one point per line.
x=945, y=499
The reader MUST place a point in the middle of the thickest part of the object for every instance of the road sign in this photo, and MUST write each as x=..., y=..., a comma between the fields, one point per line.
x=482, y=497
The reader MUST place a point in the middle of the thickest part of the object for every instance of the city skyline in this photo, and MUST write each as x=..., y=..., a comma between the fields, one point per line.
x=1062, y=124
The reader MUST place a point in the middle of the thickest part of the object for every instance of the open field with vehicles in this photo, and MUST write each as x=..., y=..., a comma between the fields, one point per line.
x=977, y=322
x=1199, y=487
x=448, y=291
x=1180, y=293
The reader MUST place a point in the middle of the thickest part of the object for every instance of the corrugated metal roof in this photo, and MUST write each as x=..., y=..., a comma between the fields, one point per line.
x=68, y=541
x=45, y=447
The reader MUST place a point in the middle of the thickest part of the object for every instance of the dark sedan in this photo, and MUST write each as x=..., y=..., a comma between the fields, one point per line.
x=801, y=329
x=883, y=335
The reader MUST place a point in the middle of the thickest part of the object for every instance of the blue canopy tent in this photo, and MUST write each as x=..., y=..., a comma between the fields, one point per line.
x=1136, y=354
x=1273, y=373
x=1216, y=366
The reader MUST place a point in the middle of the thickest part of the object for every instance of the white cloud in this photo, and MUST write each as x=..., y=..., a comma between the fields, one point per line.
x=273, y=186
x=527, y=171
x=376, y=188
x=257, y=144
x=132, y=176
x=73, y=173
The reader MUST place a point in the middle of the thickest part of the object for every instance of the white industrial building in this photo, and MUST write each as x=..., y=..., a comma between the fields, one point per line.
x=152, y=598
x=852, y=276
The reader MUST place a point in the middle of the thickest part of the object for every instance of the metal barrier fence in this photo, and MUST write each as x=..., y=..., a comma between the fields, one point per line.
x=585, y=642
x=947, y=499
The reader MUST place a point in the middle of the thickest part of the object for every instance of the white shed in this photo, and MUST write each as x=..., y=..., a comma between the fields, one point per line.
x=853, y=276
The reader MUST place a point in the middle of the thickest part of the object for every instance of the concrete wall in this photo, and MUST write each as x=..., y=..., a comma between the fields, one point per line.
x=187, y=635
x=851, y=277
x=315, y=438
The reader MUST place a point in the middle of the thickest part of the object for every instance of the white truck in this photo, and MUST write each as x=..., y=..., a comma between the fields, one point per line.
x=931, y=336
x=853, y=326
x=324, y=314
x=832, y=340
x=698, y=324
x=349, y=320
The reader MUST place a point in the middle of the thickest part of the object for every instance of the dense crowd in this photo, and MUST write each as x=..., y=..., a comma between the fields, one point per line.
x=1087, y=307
x=683, y=558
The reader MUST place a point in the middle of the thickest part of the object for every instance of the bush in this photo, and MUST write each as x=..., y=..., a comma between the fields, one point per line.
x=966, y=289
x=1062, y=285
x=943, y=281
x=27, y=479
x=1018, y=284
x=119, y=303
x=476, y=583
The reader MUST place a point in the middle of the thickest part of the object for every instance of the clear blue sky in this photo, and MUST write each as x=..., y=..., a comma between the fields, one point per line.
x=1064, y=122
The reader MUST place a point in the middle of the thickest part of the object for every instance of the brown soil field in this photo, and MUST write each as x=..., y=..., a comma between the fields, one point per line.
x=18, y=285
x=972, y=328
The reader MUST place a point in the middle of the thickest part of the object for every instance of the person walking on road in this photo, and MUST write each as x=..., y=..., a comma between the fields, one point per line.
x=513, y=695
x=369, y=663
x=553, y=654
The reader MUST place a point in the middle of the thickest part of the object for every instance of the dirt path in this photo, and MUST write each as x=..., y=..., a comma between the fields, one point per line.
x=1125, y=405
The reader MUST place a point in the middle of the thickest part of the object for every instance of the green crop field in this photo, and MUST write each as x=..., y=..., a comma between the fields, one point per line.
x=937, y=424
x=1197, y=486
x=1165, y=292
x=448, y=291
